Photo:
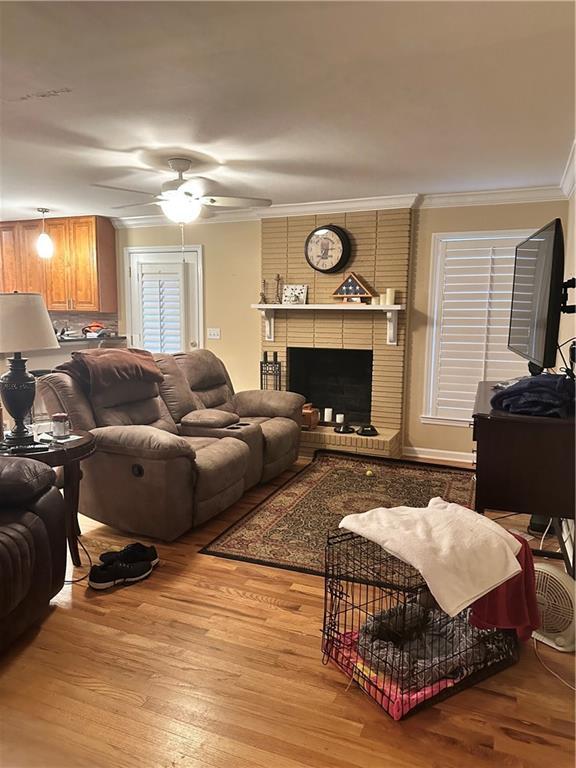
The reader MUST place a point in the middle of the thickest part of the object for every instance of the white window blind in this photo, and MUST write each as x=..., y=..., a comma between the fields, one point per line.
x=162, y=307
x=471, y=312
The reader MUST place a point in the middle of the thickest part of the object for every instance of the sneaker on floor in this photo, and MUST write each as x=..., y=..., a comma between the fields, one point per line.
x=133, y=553
x=117, y=573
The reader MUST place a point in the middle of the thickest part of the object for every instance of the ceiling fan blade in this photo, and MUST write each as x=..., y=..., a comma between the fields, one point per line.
x=197, y=185
x=234, y=202
x=124, y=189
x=132, y=205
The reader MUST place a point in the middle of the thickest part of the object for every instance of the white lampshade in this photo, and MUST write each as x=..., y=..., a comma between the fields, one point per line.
x=25, y=323
x=44, y=246
x=181, y=209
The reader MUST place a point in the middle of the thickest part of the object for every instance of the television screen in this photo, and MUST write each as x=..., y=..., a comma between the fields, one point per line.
x=537, y=294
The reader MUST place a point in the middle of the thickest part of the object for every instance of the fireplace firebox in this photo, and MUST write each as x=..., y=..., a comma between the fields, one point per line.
x=340, y=379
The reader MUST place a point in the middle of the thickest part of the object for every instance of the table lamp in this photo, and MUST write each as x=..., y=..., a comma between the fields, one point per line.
x=24, y=325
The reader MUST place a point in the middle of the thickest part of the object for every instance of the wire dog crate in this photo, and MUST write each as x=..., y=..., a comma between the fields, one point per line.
x=385, y=631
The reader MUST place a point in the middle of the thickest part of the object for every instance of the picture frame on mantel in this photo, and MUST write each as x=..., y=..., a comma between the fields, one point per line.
x=294, y=294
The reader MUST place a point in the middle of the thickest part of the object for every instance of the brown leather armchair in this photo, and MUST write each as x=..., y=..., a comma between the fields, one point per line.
x=32, y=544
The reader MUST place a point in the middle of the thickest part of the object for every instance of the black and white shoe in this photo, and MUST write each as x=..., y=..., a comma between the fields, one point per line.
x=133, y=553
x=117, y=573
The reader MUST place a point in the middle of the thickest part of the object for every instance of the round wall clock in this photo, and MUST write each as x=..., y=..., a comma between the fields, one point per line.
x=327, y=248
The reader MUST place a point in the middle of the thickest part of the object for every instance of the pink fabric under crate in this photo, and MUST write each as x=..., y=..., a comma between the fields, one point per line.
x=395, y=702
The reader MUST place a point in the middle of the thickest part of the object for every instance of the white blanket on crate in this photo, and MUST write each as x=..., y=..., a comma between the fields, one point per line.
x=461, y=555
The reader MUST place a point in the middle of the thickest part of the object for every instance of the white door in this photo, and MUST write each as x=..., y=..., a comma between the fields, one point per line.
x=165, y=298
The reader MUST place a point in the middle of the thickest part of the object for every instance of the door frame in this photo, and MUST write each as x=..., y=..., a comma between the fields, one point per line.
x=129, y=261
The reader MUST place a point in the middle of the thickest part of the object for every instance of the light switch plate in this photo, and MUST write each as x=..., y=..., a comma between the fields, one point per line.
x=213, y=333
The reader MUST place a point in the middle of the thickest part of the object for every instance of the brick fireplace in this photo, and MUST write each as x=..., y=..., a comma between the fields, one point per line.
x=340, y=379
x=380, y=256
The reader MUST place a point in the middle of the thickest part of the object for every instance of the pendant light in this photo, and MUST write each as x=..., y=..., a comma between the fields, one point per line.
x=44, y=244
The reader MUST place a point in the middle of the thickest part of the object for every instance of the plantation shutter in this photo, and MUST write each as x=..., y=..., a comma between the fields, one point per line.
x=472, y=313
x=162, y=307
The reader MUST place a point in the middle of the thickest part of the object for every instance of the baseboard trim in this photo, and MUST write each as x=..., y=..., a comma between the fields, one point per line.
x=435, y=453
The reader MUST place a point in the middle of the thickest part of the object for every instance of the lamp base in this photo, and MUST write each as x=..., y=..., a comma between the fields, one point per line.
x=14, y=440
x=18, y=389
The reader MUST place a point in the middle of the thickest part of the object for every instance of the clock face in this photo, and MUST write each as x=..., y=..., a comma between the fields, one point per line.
x=327, y=248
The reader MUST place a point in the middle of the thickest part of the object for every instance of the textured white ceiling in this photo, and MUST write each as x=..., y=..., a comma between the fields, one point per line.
x=292, y=101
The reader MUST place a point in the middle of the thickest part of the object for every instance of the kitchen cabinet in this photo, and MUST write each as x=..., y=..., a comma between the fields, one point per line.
x=83, y=267
x=56, y=290
x=10, y=273
x=80, y=276
x=32, y=266
x=20, y=267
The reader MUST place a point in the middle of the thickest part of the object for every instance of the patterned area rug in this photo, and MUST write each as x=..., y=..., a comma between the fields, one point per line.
x=289, y=529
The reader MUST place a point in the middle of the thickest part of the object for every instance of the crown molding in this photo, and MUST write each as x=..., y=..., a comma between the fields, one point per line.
x=159, y=220
x=339, y=206
x=388, y=202
x=493, y=197
x=135, y=222
x=568, y=182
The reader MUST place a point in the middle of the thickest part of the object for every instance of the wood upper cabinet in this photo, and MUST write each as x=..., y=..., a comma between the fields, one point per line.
x=10, y=265
x=31, y=265
x=56, y=269
x=80, y=276
x=84, y=267
x=20, y=267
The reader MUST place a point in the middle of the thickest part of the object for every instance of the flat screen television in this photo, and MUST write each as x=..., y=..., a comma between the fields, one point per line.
x=537, y=296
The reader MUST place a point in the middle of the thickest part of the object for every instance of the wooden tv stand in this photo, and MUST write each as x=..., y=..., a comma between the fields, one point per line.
x=524, y=464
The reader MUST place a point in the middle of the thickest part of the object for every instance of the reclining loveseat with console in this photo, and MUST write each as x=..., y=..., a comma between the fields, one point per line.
x=175, y=445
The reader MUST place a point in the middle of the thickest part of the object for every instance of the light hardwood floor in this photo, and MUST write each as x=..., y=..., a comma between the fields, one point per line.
x=213, y=663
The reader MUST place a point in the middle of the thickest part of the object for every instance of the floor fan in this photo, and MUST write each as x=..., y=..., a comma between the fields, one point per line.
x=555, y=595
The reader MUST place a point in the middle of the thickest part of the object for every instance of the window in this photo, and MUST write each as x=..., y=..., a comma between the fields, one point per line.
x=471, y=293
x=164, y=297
x=162, y=307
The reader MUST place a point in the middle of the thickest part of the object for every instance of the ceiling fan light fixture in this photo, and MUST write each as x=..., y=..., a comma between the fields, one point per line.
x=181, y=209
x=44, y=244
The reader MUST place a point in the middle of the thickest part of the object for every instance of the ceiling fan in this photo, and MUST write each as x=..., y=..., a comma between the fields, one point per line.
x=182, y=202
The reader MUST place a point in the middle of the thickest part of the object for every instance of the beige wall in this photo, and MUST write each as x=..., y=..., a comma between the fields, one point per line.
x=231, y=283
x=425, y=223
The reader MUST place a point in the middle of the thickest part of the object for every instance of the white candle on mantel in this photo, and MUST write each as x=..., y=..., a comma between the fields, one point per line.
x=327, y=414
x=390, y=296
x=339, y=418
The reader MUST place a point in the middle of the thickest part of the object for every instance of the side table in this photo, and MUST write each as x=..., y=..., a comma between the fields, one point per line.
x=68, y=455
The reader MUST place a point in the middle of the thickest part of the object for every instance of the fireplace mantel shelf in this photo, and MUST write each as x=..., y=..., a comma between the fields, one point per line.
x=392, y=310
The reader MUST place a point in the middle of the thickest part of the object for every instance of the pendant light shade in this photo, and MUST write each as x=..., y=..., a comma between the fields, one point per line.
x=181, y=209
x=44, y=244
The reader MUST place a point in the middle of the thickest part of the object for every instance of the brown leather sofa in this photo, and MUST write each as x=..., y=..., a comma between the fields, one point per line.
x=200, y=397
x=171, y=456
x=32, y=544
